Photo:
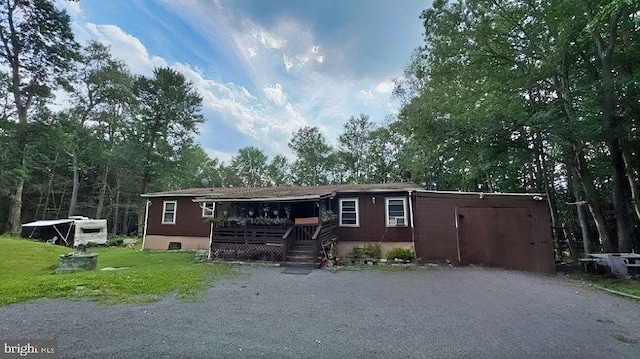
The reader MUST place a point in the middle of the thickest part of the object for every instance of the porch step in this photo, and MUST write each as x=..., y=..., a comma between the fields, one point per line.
x=299, y=264
x=300, y=251
x=310, y=258
x=306, y=246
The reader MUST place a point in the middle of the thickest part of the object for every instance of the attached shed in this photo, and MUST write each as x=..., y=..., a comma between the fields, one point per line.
x=498, y=230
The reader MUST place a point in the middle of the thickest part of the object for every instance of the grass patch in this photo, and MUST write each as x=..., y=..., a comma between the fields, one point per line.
x=27, y=273
x=628, y=286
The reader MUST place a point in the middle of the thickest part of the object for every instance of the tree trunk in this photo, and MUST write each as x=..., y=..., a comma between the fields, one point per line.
x=15, y=212
x=581, y=212
x=542, y=184
x=591, y=196
x=613, y=129
x=125, y=220
x=620, y=195
x=576, y=159
x=49, y=186
x=15, y=225
x=59, y=209
x=116, y=214
x=635, y=194
x=76, y=183
x=103, y=191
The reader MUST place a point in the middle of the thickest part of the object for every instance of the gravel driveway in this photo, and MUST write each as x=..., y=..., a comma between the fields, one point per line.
x=438, y=313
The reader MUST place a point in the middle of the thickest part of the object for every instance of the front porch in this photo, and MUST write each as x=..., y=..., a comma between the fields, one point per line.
x=294, y=233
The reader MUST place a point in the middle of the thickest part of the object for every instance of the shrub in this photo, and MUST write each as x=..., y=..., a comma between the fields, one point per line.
x=115, y=241
x=400, y=253
x=373, y=250
x=357, y=252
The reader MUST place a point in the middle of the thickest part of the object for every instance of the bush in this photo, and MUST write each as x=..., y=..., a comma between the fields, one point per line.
x=400, y=253
x=373, y=250
x=115, y=241
x=357, y=252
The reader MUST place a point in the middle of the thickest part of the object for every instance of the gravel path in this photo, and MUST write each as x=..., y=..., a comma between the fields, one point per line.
x=443, y=313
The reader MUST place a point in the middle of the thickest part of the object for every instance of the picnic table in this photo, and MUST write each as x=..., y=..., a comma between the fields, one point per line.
x=630, y=260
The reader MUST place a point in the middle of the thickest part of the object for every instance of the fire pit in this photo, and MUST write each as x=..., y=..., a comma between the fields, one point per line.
x=79, y=260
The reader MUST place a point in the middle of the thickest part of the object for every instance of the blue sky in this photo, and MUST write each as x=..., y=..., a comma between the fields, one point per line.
x=264, y=68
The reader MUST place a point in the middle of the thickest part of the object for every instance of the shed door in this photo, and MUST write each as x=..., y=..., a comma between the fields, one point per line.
x=499, y=237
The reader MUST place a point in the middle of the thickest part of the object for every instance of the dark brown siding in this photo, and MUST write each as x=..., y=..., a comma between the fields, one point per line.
x=189, y=221
x=373, y=225
x=496, y=230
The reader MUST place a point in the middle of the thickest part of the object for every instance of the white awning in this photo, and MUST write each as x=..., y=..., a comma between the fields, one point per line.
x=49, y=222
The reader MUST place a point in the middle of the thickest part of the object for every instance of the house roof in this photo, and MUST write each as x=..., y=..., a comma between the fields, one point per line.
x=282, y=193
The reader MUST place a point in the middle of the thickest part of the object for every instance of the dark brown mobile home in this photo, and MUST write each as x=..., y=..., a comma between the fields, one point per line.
x=294, y=224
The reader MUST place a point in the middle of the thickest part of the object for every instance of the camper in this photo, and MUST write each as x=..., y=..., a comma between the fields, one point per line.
x=71, y=232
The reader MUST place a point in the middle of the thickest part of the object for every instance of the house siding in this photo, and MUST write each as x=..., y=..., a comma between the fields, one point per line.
x=373, y=227
x=189, y=221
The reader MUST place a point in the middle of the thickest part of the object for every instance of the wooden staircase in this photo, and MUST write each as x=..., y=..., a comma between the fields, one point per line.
x=302, y=253
x=305, y=246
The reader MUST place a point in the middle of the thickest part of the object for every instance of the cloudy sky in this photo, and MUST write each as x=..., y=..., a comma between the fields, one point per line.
x=264, y=68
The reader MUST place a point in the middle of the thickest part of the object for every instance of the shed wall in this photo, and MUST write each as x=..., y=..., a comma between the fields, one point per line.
x=496, y=230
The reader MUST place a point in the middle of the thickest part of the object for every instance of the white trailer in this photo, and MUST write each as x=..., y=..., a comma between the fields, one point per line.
x=72, y=231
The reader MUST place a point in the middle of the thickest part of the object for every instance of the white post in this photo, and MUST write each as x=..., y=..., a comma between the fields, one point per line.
x=413, y=239
x=146, y=222
x=213, y=215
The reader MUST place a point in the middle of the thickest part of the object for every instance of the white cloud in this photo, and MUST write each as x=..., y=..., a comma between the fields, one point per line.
x=126, y=47
x=268, y=40
x=380, y=91
x=276, y=94
x=384, y=87
x=71, y=7
x=286, y=55
x=288, y=63
x=237, y=107
x=221, y=155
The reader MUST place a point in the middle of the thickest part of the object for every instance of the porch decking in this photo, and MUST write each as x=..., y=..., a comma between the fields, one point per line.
x=297, y=244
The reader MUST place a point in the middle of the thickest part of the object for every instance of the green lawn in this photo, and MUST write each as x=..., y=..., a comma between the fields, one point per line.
x=628, y=286
x=27, y=272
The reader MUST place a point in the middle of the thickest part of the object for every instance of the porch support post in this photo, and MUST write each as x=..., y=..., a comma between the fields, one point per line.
x=413, y=232
x=213, y=215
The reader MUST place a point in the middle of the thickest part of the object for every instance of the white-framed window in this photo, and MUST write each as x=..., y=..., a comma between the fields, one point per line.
x=349, y=213
x=208, y=209
x=396, y=211
x=169, y=210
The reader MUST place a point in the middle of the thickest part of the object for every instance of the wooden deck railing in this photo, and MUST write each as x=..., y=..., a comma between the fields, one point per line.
x=250, y=242
x=269, y=242
x=326, y=233
x=248, y=234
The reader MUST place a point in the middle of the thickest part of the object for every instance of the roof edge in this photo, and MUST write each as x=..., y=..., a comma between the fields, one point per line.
x=258, y=199
x=484, y=193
